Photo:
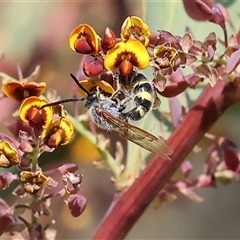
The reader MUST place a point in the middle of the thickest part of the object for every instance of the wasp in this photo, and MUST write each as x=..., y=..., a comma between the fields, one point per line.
x=108, y=113
x=138, y=90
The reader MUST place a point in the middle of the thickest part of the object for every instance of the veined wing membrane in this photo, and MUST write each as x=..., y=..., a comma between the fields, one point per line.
x=139, y=136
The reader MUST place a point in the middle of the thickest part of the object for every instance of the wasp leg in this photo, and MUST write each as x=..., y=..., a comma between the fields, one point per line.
x=115, y=95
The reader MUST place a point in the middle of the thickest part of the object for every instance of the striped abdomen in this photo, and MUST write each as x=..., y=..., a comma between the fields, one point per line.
x=143, y=98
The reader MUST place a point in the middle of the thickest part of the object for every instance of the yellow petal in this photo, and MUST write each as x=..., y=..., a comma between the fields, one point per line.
x=91, y=85
x=140, y=52
x=8, y=153
x=132, y=50
x=138, y=22
x=59, y=132
x=31, y=109
x=67, y=127
x=135, y=27
x=34, y=177
x=113, y=57
x=84, y=30
x=125, y=29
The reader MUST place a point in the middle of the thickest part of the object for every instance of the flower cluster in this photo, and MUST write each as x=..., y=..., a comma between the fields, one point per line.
x=48, y=126
x=111, y=53
x=39, y=128
x=136, y=49
x=110, y=59
x=109, y=62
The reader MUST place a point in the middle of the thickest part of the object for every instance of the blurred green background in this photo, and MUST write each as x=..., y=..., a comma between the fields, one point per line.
x=36, y=33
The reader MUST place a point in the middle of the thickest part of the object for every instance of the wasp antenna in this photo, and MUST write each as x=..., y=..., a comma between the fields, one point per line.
x=62, y=101
x=79, y=84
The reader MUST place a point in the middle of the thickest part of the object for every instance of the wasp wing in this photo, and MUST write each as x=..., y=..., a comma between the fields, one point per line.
x=139, y=136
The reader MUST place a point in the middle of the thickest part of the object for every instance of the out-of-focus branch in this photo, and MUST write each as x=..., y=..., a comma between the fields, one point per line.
x=128, y=207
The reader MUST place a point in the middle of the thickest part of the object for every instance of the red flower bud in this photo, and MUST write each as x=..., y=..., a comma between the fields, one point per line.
x=109, y=39
x=93, y=67
x=77, y=204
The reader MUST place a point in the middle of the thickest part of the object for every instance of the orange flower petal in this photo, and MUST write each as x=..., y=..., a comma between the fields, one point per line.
x=33, y=89
x=125, y=68
x=13, y=89
x=31, y=111
x=19, y=90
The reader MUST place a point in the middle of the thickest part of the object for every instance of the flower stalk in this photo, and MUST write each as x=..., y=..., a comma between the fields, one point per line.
x=78, y=126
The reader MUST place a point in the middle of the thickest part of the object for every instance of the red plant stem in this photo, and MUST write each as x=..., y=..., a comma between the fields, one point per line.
x=128, y=207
